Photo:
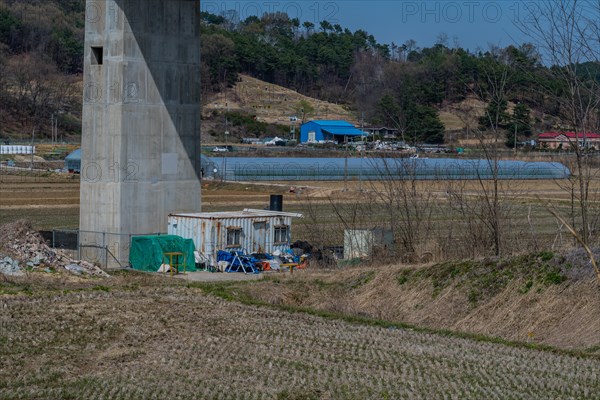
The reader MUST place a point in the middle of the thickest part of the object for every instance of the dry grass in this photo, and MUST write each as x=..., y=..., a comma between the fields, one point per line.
x=456, y=116
x=451, y=121
x=545, y=299
x=272, y=103
x=141, y=337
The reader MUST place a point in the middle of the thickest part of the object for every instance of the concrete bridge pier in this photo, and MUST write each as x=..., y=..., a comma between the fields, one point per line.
x=141, y=121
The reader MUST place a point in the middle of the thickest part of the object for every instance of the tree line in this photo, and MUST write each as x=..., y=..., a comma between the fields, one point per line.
x=399, y=86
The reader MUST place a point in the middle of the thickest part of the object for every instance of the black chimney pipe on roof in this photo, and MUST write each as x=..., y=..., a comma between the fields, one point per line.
x=276, y=203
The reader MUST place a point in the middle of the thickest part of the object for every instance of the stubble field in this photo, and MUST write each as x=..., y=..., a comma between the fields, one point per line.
x=52, y=201
x=133, y=336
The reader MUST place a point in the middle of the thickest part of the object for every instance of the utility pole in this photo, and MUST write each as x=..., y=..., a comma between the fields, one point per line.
x=32, y=139
x=52, y=129
x=515, y=149
x=346, y=165
x=56, y=128
x=293, y=121
x=362, y=149
x=224, y=161
x=226, y=148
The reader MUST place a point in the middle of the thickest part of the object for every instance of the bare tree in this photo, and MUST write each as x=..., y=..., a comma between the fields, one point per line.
x=4, y=95
x=470, y=213
x=407, y=206
x=567, y=32
x=491, y=209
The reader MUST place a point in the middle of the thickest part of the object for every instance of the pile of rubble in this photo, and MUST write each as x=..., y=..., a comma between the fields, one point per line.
x=22, y=247
x=9, y=267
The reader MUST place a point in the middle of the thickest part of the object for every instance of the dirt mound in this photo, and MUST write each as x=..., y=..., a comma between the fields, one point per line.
x=27, y=159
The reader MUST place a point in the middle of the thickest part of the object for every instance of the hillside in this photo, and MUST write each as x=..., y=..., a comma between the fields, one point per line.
x=263, y=67
x=274, y=104
x=266, y=104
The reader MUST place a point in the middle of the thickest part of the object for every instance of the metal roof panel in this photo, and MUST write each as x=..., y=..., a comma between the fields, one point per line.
x=246, y=213
x=349, y=131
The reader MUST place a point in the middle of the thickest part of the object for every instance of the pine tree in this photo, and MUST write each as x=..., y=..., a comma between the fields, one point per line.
x=521, y=124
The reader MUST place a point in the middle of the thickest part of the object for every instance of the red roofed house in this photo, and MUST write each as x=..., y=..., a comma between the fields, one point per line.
x=564, y=140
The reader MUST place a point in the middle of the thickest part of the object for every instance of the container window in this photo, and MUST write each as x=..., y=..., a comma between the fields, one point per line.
x=281, y=234
x=97, y=55
x=234, y=237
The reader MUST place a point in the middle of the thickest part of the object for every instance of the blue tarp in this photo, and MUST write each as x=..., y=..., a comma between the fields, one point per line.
x=238, y=262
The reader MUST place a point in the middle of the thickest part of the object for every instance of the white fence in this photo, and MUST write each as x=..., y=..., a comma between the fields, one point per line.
x=17, y=149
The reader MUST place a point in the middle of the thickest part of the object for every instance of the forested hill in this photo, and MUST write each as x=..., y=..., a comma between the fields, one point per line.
x=41, y=60
x=397, y=85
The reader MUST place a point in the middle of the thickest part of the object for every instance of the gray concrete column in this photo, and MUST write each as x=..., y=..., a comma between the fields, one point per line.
x=141, y=118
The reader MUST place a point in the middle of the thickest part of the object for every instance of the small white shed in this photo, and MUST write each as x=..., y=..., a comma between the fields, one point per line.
x=248, y=231
x=360, y=242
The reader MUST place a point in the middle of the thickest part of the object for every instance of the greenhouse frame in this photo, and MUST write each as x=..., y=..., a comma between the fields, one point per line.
x=333, y=169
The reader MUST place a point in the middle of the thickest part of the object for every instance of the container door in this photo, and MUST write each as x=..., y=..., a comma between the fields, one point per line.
x=260, y=237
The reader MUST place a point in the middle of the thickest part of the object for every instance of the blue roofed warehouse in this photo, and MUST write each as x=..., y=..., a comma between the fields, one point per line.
x=329, y=130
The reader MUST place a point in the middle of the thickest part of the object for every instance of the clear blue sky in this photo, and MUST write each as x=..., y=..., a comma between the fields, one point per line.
x=472, y=24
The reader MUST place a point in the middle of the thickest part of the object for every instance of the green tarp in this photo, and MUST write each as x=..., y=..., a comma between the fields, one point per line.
x=147, y=252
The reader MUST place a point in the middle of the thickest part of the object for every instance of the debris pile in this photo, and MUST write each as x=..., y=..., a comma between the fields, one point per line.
x=9, y=267
x=22, y=247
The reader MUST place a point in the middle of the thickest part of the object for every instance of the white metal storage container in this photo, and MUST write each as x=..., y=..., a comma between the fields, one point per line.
x=360, y=242
x=248, y=231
